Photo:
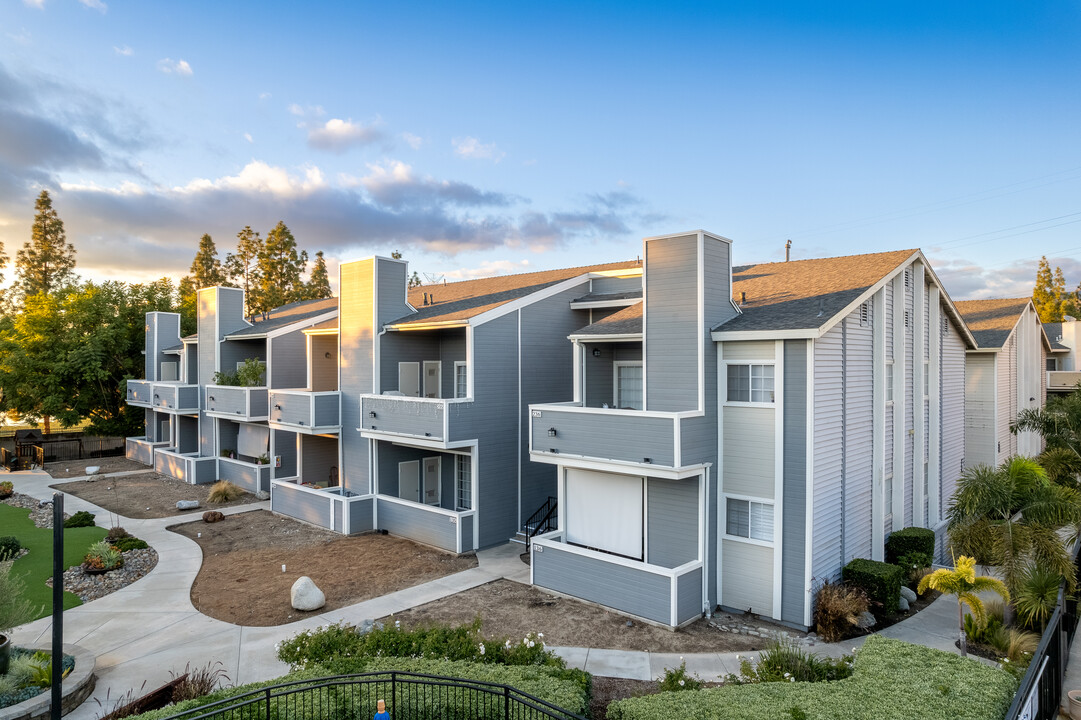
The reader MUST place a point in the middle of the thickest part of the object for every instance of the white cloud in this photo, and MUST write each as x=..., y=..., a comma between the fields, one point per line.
x=968, y=280
x=470, y=147
x=395, y=185
x=247, y=136
x=489, y=268
x=124, y=50
x=39, y=4
x=260, y=178
x=338, y=136
x=180, y=67
x=413, y=141
x=95, y=5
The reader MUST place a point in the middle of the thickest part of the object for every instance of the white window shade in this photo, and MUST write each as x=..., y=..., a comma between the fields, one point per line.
x=604, y=512
x=253, y=440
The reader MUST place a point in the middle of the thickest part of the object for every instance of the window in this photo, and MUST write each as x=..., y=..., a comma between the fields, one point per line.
x=1051, y=363
x=749, y=519
x=461, y=380
x=750, y=383
x=628, y=385
x=889, y=382
x=463, y=482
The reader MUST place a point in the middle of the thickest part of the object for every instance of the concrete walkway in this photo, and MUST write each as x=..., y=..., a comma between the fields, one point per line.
x=146, y=630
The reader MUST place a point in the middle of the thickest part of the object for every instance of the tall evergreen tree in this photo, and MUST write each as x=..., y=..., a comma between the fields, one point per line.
x=414, y=281
x=1043, y=293
x=47, y=262
x=280, y=268
x=319, y=283
x=242, y=267
x=206, y=270
x=188, y=308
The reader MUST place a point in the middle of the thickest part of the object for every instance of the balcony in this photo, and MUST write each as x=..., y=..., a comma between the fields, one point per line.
x=253, y=477
x=243, y=404
x=667, y=441
x=1062, y=380
x=175, y=397
x=435, y=422
x=140, y=392
x=188, y=467
x=303, y=411
x=142, y=450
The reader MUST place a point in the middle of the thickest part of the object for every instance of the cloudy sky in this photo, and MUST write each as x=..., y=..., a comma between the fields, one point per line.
x=505, y=137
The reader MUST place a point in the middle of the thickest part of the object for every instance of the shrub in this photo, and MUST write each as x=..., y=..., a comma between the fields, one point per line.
x=116, y=533
x=9, y=547
x=909, y=540
x=80, y=519
x=678, y=679
x=15, y=609
x=1036, y=596
x=199, y=682
x=784, y=661
x=103, y=556
x=130, y=543
x=6, y=489
x=891, y=680
x=224, y=491
x=915, y=565
x=250, y=374
x=881, y=581
x=837, y=610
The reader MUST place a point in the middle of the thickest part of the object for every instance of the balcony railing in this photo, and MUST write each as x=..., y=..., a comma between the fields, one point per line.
x=140, y=392
x=188, y=467
x=630, y=436
x=253, y=477
x=315, y=413
x=442, y=421
x=175, y=397
x=246, y=404
x=142, y=450
x=1062, y=379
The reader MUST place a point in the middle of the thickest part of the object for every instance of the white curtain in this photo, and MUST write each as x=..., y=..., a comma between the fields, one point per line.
x=253, y=440
x=604, y=512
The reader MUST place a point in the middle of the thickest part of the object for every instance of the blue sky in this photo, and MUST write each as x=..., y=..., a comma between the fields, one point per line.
x=505, y=137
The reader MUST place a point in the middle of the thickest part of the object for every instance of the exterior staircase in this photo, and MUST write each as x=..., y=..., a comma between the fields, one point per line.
x=542, y=521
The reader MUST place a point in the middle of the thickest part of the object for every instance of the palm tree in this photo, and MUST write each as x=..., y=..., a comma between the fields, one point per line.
x=1010, y=517
x=963, y=582
x=1058, y=422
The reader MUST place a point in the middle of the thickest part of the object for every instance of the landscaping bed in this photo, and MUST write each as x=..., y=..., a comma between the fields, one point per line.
x=510, y=608
x=146, y=495
x=26, y=692
x=77, y=468
x=241, y=579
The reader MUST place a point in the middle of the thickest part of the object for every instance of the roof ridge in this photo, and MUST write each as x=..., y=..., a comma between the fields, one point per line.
x=831, y=257
x=584, y=268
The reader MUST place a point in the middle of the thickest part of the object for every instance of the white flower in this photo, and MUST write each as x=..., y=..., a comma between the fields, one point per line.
x=681, y=683
x=482, y=648
x=508, y=644
x=788, y=675
x=791, y=679
x=531, y=643
x=540, y=635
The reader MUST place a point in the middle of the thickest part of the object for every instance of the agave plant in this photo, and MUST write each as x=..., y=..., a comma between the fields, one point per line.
x=963, y=582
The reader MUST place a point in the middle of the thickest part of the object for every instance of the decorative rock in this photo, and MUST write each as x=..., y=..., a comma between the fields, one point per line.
x=93, y=469
x=630, y=624
x=366, y=627
x=865, y=620
x=137, y=563
x=902, y=605
x=305, y=595
x=262, y=495
x=187, y=504
x=908, y=594
x=212, y=516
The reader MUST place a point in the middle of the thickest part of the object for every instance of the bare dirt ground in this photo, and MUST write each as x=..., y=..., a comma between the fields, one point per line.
x=511, y=609
x=609, y=689
x=77, y=468
x=147, y=495
x=241, y=580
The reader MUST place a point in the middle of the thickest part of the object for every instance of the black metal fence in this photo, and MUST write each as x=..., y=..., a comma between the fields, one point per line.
x=408, y=696
x=38, y=448
x=1040, y=693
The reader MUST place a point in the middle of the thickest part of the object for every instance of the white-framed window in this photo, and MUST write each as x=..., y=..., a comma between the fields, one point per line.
x=889, y=382
x=1052, y=363
x=749, y=519
x=463, y=482
x=750, y=383
x=628, y=385
x=461, y=379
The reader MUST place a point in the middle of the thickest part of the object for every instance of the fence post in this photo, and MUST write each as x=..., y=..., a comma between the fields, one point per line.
x=506, y=703
x=394, y=690
x=267, y=706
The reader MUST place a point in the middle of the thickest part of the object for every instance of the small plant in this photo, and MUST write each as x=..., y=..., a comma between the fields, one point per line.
x=224, y=491
x=962, y=582
x=249, y=374
x=837, y=610
x=103, y=556
x=231, y=454
x=124, y=705
x=9, y=547
x=1036, y=596
x=678, y=679
x=15, y=609
x=130, y=543
x=784, y=661
x=80, y=519
x=116, y=533
x=6, y=489
x=262, y=459
x=198, y=682
x=796, y=714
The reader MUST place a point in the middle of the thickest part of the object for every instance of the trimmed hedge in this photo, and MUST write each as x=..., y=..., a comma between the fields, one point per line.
x=892, y=680
x=9, y=547
x=909, y=540
x=881, y=581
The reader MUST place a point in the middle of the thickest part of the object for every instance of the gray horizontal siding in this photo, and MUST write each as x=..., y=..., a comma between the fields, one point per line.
x=406, y=417
x=689, y=596
x=672, y=534
x=206, y=470
x=417, y=523
x=249, y=477
x=698, y=436
x=626, y=589
x=609, y=436
x=174, y=466
x=234, y=401
x=296, y=409
x=327, y=410
x=140, y=452
x=310, y=507
x=360, y=516
x=467, y=533
x=289, y=360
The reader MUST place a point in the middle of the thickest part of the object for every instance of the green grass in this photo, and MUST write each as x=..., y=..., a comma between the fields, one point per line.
x=37, y=567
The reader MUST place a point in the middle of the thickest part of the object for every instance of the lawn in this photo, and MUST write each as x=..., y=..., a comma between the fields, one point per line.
x=37, y=567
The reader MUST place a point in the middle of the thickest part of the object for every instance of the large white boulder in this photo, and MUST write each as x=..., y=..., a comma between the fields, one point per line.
x=305, y=595
x=93, y=469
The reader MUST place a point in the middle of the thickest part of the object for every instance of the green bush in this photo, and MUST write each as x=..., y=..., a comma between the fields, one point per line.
x=909, y=540
x=6, y=489
x=103, y=556
x=116, y=533
x=678, y=679
x=130, y=543
x=249, y=374
x=9, y=547
x=881, y=581
x=786, y=662
x=80, y=519
x=891, y=680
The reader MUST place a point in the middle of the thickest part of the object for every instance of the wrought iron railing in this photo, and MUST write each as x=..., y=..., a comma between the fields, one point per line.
x=408, y=696
x=541, y=521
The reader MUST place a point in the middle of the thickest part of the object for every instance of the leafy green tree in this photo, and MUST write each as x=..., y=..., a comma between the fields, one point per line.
x=189, y=306
x=47, y=262
x=318, y=286
x=206, y=269
x=280, y=269
x=963, y=582
x=242, y=267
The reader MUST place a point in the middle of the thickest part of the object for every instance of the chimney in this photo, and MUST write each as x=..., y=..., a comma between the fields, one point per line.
x=787, y=250
x=425, y=298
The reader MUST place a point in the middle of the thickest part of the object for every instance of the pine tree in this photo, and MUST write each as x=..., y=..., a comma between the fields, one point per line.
x=318, y=286
x=1044, y=296
x=188, y=307
x=206, y=270
x=280, y=269
x=46, y=263
x=242, y=267
x=414, y=281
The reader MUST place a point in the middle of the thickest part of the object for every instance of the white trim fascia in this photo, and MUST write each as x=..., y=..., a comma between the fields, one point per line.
x=377, y=331
x=518, y=509
x=878, y=424
x=519, y=303
x=411, y=440
x=984, y=350
x=701, y=330
x=618, y=467
x=590, y=304
x=954, y=313
x=299, y=325
x=919, y=436
x=321, y=331
x=722, y=391
x=808, y=539
x=778, y=479
x=736, y=335
x=699, y=231
x=621, y=337
x=934, y=406
x=900, y=372
x=632, y=271
x=645, y=313
x=420, y=326
x=577, y=374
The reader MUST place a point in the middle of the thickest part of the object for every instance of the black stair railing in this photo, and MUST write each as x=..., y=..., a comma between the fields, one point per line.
x=543, y=520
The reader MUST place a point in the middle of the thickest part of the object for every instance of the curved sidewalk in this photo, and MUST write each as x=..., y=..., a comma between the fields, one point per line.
x=146, y=630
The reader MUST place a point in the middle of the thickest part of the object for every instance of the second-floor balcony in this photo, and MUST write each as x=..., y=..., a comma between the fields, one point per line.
x=243, y=404
x=1062, y=380
x=435, y=421
x=140, y=392
x=165, y=396
x=305, y=411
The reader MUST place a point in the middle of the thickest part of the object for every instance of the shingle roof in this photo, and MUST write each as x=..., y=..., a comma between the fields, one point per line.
x=173, y=348
x=286, y=315
x=1054, y=336
x=331, y=324
x=992, y=321
x=805, y=294
x=627, y=321
x=460, y=301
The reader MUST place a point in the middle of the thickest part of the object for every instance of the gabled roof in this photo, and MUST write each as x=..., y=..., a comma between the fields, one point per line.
x=805, y=294
x=284, y=316
x=458, y=302
x=627, y=321
x=1053, y=331
x=992, y=320
x=324, y=326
